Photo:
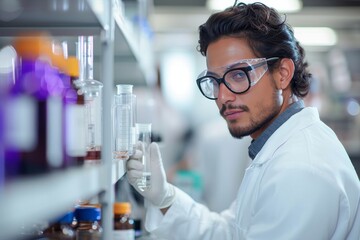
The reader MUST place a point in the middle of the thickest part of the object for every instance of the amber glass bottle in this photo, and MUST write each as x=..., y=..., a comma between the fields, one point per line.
x=123, y=223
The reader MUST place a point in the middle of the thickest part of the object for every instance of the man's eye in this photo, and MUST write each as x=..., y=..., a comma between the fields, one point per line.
x=237, y=75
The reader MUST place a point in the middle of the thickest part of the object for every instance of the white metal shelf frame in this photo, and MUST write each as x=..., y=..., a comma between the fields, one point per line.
x=107, y=61
x=43, y=197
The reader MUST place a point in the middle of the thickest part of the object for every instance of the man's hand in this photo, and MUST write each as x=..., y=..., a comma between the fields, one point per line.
x=161, y=193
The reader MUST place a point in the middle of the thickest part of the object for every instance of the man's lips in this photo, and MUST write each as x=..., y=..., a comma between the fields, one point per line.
x=233, y=114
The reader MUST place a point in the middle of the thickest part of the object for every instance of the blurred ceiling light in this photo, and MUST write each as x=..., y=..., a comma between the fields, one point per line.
x=315, y=36
x=280, y=5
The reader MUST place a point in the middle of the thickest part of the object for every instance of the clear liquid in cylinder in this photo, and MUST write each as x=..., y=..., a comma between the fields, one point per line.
x=144, y=182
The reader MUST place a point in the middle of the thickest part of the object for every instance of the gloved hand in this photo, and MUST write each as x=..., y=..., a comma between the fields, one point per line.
x=161, y=193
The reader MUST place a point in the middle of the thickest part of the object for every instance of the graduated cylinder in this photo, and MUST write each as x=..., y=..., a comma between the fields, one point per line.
x=123, y=121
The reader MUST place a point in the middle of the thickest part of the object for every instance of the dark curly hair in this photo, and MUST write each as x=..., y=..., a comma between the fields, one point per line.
x=267, y=34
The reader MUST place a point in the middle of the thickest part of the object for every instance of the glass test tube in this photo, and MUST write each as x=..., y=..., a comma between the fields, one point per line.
x=143, y=131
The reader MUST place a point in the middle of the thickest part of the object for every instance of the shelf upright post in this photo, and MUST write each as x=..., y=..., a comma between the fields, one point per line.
x=107, y=73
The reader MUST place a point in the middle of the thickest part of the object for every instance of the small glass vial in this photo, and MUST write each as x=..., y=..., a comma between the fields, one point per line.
x=143, y=131
x=123, y=122
x=62, y=229
x=88, y=226
x=123, y=223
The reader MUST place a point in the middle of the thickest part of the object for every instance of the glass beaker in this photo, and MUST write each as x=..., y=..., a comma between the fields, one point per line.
x=143, y=131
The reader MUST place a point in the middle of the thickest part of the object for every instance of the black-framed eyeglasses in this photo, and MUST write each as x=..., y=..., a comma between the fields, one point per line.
x=238, y=77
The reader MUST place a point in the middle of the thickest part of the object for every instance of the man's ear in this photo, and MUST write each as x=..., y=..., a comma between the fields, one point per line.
x=286, y=70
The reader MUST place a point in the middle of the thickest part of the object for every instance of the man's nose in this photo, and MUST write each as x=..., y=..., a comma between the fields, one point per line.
x=225, y=95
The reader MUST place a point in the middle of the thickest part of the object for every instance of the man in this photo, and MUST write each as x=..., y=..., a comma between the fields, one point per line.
x=301, y=183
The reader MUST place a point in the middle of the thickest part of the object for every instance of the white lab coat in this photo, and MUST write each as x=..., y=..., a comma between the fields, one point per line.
x=221, y=160
x=301, y=185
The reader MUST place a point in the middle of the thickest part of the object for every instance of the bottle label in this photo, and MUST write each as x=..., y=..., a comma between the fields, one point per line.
x=124, y=234
x=54, y=132
x=75, y=130
x=21, y=123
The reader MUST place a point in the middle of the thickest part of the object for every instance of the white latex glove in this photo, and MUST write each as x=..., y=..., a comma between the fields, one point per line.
x=161, y=193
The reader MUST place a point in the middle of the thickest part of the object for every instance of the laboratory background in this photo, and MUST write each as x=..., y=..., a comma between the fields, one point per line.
x=81, y=81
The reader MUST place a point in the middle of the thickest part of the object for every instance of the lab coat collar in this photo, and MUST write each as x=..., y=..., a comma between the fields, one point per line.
x=257, y=144
x=295, y=123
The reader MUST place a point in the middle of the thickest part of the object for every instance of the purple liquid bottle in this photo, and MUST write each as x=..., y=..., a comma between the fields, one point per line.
x=34, y=111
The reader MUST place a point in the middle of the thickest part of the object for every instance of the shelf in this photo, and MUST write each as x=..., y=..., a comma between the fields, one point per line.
x=40, y=198
x=121, y=55
x=57, y=16
x=67, y=19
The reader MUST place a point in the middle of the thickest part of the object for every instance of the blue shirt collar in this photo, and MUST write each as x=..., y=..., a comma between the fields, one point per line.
x=257, y=144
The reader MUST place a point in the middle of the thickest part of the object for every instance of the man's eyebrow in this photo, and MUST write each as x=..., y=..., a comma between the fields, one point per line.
x=237, y=64
x=212, y=73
